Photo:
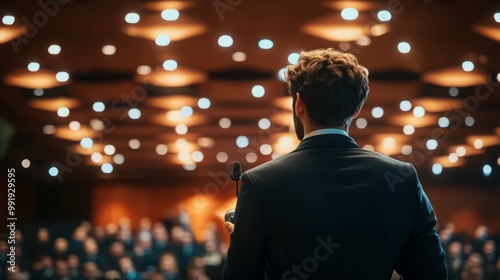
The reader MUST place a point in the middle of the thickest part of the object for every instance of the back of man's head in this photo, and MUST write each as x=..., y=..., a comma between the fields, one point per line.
x=332, y=85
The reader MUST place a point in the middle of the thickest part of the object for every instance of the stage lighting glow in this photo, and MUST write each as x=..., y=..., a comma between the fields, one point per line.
x=109, y=149
x=239, y=56
x=408, y=129
x=266, y=44
x=109, y=50
x=258, y=91
x=33, y=66
x=349, y=14
x=62, y=76
x=161, y=149
x=25, y=163
x=74, y=125
x=222, y=157
x=225, y=123
x=468, y=66
x=63, y=112
x=189, y=166
x=364, y=41
x=162, y=40
x=170, y=15
x=404, y=47
x=264, y=123
x=225, y=41
x=134, y=113
x=377, y=112
x=361, y=123
x=98, y=106
x=54, y=49
x=384, y=15
x=132, y=18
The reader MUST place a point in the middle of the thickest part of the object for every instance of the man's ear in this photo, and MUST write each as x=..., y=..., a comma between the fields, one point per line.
x=300, y=107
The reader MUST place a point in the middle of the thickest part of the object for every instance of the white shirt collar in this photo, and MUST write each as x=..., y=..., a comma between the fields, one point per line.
x=325, y=131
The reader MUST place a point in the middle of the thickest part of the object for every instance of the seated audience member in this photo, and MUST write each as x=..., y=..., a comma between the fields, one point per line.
x=127, y=269
x=99, y=235
x=74, y=267
x=91, y=271
x=490, y=259
x=145, y=228
x=61, y=251
x=76, y=243
x=43, y=269
x=481, y=235
x=188, y=250
x=473, y=268
x=116, y=251
x=143, y=257
x=213, y=260
x=91, y=253
x=61, y=270
x=160, y=239
x=41, y=246
x=196, y=273
x=454, y=260
x=111, y=230
x=167, y=266
x=124, y=235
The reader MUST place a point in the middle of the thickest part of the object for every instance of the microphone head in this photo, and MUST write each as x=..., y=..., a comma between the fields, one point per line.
x=236, y=172
x=229, y=216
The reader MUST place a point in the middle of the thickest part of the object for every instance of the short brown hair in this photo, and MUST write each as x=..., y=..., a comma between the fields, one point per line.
x=332, y=84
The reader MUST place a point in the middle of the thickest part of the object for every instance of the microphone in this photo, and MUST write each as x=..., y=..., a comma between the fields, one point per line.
x=236, y=173
x=229, y=217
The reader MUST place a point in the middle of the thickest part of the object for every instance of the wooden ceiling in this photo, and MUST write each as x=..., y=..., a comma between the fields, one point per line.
x=442, y=35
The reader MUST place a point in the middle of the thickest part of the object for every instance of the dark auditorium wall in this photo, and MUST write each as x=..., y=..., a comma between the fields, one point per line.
x=465, y=206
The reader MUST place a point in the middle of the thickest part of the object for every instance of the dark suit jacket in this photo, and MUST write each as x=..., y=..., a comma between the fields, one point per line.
x=331, y=210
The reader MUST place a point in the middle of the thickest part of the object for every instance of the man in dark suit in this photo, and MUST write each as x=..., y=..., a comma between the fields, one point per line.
x=329, y=209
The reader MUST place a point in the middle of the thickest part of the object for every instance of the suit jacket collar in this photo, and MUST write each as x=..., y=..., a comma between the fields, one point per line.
x=327, y=140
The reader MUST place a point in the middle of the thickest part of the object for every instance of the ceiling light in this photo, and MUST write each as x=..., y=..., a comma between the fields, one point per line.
x=443, y=122
x=189, y=166
x=266, y=44
x=109, y=50
x=461, y=151
x=431, y=144
x=437, y=168
x=242, y=141
x=62, y=76
x=107, y=168
x=170, y=14
x=33, y=66
x=161, y=149
x=404, y=47
x=197, y=156
x=8, y=20
x=143, y=70
x=25, y=163
x=251, y=157
x=170, y=65
x=181, y=129
x=204, y=103
x=86, y=143
x=258, y=91
x=98, y=106
x=469, y=121
x=468, y=66
x=239, y=56
x=377, y=112
x=405, y=105
x=225, y=41
x=132, y=18
x=418, y=111
x=187, y=111
x=487, y=170
x=49, y=129
x=134, y=113
x=349, y=14
x=74, y=125
x=406, y=150
x=134, y=144
x=364, y=41
x=96, y=157
x=53, y=171
x=162, y=40
x=384, y=15
x=282, y=74
x=293, y=58
x=453, y=91
x=266, y=149
x=496, y=16
x=264, y=123
x=453, y=158
x=54, y=49
x=63, y=112
x=118, y=159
